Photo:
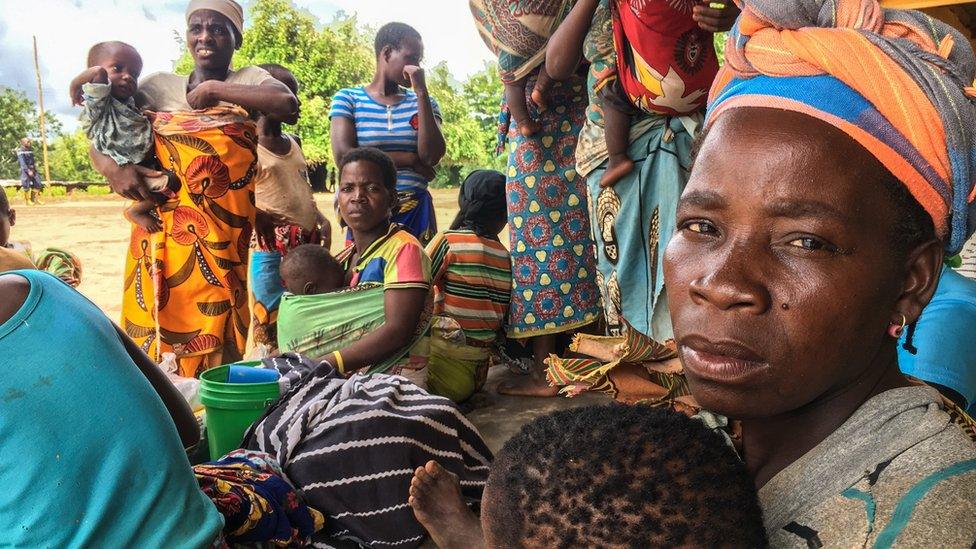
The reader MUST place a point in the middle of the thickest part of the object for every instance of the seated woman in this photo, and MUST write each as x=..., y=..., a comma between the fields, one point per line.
x=835, y=171
x=90, y=430
x=379, y=326
x=472, y=287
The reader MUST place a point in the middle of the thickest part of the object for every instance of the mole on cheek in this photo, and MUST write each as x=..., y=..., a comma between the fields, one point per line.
x=785, y=306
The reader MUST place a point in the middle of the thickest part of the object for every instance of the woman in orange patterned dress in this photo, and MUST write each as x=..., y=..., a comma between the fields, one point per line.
x=186, y=286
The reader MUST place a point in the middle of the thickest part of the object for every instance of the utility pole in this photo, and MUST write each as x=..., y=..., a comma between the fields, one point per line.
x=40, y=102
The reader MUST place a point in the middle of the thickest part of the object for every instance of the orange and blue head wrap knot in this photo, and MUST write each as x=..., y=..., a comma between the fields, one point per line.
x=897, y=81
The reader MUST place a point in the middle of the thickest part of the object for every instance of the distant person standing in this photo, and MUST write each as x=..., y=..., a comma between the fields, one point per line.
x=395, y=114
x=30, y=182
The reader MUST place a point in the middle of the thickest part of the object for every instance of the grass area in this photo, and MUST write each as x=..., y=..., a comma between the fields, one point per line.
x=54, y=194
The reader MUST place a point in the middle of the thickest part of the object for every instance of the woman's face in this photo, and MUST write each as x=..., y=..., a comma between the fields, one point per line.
x=781, y=275
x=211, y=40
x=364, y=202
x=410, y=52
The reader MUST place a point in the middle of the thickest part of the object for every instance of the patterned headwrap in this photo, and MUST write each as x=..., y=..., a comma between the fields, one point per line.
x=898, y=82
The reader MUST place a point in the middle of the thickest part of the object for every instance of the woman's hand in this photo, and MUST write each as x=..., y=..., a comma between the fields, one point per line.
x=716, y=19
x=206, y=94
x=127, y=181
x=417, y=79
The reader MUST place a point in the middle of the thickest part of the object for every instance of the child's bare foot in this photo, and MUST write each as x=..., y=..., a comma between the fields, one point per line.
x=144, y=219
x=435, y=495
x=618, y=166
x=529, y=127
x=540, y=99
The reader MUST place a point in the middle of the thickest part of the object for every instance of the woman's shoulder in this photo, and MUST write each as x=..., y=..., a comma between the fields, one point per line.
x=251, y=75
x=927, y=493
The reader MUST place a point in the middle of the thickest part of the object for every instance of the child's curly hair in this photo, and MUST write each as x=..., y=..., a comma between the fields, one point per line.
x=621, y=476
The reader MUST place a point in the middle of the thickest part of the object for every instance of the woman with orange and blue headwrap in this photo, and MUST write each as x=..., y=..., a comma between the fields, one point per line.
x=835, y=173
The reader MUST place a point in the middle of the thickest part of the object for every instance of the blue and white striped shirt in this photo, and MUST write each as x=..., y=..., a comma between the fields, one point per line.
x=387, y=127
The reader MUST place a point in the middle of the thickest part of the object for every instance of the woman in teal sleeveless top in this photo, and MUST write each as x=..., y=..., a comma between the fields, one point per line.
x=89, y=453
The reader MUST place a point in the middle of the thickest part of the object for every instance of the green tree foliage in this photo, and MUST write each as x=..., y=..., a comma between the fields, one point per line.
x=18, y=119
x=69, y=158
x=463, y=134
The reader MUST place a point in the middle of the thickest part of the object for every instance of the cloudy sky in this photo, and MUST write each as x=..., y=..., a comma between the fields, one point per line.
x=65, y=29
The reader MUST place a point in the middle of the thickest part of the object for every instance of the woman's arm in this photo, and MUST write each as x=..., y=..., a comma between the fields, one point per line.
x=344, y=138
x=270, y=97
x=127, y=181
x=177, y=407
x=430, y=141
x=403, y=308
x=565, y=48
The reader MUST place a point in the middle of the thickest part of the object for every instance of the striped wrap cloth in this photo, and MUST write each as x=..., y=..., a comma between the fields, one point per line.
x=898, y=82
x=351, y=447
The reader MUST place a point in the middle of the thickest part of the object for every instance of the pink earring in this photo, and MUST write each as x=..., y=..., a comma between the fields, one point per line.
x=895, y=330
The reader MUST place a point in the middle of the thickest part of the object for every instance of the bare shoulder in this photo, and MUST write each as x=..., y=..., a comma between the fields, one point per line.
x=13, y=293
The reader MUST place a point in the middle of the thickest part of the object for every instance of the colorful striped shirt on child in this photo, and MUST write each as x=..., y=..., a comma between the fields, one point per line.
x=472, y=281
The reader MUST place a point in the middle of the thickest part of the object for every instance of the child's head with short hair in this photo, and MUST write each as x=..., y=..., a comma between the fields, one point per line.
x=620, y=476
x=122, y=63
x=311, y=269
x=8, y=217
x=285, y=76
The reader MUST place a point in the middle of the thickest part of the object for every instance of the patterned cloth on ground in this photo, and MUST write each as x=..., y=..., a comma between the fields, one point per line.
x=666, y=62
x=352, y=445
x=257, y=502
x=897, y=82
x=553, y=269
x=630, y=368
x=116, y=129
x=185, y=286
x=517, y=32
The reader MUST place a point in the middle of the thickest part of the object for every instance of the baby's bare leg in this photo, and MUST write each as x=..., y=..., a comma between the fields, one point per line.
x=515, y=97
x=540, y=93
x=617, y=126
x=142, y=213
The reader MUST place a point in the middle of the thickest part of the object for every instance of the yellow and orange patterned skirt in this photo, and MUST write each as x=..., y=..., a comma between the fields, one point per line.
x=185, y=286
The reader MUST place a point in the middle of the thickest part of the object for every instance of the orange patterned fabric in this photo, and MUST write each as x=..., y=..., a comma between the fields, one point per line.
x=898, y=82
x=185, y=286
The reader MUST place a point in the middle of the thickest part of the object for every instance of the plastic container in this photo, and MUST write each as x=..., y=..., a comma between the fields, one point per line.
x=239, y=373
x=232, y=407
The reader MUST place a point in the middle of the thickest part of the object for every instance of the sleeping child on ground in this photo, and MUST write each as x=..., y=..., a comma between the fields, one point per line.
x=665, y=66
x=310, y=269
x=600, y=476
x=115, y=126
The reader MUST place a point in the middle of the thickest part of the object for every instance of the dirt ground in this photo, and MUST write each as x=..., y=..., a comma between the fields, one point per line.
x=96, y=232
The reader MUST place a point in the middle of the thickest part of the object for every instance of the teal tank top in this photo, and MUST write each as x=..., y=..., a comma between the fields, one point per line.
x=89, y=455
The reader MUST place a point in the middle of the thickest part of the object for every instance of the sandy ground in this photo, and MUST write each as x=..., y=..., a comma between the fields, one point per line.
x=96, y=232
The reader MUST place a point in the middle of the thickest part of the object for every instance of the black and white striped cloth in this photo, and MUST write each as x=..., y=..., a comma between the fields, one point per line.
x=351, y=446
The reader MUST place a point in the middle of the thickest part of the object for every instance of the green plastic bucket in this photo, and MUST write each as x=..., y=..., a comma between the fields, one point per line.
x=232, y=407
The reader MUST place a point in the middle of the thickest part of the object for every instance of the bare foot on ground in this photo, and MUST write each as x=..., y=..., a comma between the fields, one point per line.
x=617, y=167
x=533, y=384
x=435, y=495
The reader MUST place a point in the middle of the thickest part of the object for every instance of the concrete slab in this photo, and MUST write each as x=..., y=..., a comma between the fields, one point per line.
x=499, y=417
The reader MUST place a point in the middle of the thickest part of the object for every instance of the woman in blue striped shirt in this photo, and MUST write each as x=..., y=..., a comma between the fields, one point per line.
x=395, y=113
